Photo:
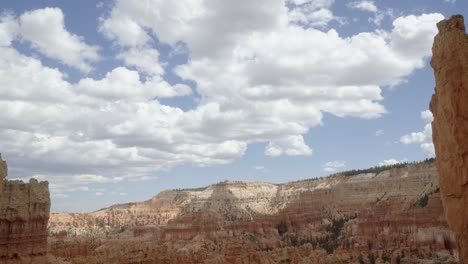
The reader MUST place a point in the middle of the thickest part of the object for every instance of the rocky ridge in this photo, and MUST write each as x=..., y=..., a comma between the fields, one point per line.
x=389, y=216
x=241, y=201
x=449, y=106
x=24, y=214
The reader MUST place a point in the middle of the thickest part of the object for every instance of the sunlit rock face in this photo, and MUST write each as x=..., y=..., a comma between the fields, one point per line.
x=240, y=201
x=392, y=215
x=449, y=106
x=235, y=201
x=24, y=214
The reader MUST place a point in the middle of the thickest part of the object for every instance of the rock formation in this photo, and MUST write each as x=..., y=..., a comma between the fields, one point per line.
x=449, y=106
x=239, y=201
x=24, y=214
x=390, y=216
x=234, y=200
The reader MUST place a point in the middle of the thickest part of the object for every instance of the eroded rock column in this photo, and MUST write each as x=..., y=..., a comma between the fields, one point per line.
x=24, y=213
x=449, y=106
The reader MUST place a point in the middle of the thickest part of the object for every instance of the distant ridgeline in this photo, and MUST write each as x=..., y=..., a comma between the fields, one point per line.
x=375, y=169
x=379, y=169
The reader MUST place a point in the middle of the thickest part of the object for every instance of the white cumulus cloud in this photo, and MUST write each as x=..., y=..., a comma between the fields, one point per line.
x=262, y=79
x=427, y=116
x=364, y=5
x=314, y=13
x=333, y=166
x=423, y=138
x=291, y=146
x=45, y=30
x=8, y=28
x=392, y=162
x=144, y=59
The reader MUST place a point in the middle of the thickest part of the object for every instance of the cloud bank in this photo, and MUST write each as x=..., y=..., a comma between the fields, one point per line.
x=261, y=77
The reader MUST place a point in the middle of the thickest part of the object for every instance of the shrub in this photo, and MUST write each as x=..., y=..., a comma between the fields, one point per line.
x=423, y=200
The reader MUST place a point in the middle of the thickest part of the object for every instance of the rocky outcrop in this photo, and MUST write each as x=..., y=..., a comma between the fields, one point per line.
x=24, y=213
x=235, y=201
x=390, y=216
x=449, y=106
x=240, y=201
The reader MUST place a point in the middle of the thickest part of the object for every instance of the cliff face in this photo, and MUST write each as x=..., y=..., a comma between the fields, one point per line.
x=235, y=201
x=239, y=201
x=24, y=213
x=449, y=106
x=395, y=215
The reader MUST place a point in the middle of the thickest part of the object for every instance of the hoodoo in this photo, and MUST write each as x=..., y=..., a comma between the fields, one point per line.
x=24, y=213
x=388, y=215
x=449, y=106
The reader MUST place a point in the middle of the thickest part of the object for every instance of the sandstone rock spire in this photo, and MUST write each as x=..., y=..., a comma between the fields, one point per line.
x=449, y=106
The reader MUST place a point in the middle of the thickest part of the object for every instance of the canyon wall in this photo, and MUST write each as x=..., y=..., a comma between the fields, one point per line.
x=240, y=201
x=389, y=216
x=449, y=106
x=24, y=214
x=235, y=201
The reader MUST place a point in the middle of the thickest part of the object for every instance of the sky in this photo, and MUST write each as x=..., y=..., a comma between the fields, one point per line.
x=115, y=101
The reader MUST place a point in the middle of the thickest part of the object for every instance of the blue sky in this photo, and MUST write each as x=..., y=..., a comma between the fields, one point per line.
x=115, y=101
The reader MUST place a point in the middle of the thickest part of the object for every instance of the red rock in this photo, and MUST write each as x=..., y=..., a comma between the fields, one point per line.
x=378, y=215
x=449, y=106
x=24, y=214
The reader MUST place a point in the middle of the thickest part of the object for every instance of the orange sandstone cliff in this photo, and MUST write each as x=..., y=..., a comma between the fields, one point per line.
x=24, y=213
x=449, y=106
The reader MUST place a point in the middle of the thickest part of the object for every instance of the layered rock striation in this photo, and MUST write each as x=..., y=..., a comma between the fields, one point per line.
x=24, y=214
x=449, y=106
x=235, y=201
x=392, y=216
x=240, y=201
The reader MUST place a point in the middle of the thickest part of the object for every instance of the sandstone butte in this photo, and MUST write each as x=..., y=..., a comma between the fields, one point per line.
x=449, y=106
x=389, y=215
x=24, y=214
